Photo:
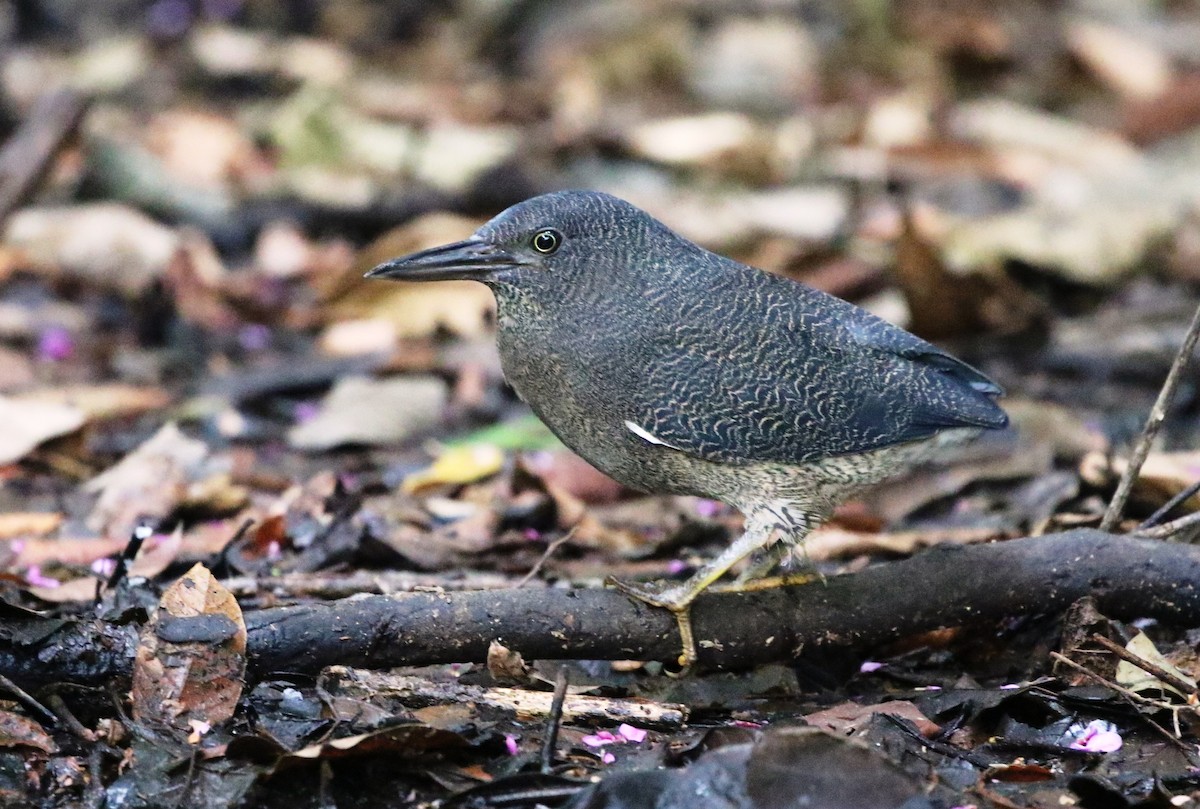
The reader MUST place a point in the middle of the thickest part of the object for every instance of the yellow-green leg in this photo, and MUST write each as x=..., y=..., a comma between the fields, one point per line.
x=678, y=598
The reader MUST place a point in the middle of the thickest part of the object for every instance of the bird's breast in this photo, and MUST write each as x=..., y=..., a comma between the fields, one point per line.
x=582, y=382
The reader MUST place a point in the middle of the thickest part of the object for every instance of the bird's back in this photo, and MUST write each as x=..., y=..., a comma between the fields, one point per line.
x=732, y=364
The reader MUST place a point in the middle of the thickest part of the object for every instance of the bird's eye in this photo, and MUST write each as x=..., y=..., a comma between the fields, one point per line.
x=547, y=241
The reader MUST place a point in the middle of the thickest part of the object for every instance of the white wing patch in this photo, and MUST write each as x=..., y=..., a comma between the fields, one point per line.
x=646, y=435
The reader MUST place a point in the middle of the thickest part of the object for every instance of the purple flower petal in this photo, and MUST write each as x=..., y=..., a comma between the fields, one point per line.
x=55, y=344
x=869, y=666
x=510, y=744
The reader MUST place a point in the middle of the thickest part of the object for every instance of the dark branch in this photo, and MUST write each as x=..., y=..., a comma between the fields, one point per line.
x=946, y=586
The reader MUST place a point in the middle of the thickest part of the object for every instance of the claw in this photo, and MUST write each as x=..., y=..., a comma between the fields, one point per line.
x=679, y=601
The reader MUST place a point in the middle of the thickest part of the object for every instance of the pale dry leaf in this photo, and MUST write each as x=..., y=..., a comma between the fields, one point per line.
x=374, y=412
x=109, y=244
x=1133, y=67
x=151, y=481
x=28, y=424
x=1138, y=679
x=413, y=310
x=107, y=401
x=20, y=524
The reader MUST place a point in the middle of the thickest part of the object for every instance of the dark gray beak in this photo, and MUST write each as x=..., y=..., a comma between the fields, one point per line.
x=470, y=259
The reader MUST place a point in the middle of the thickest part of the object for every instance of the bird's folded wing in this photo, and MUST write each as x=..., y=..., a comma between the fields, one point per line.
x=812, y=404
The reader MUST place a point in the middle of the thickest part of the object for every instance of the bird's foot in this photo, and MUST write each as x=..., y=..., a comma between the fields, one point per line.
x=678, y=599
x=759, y=584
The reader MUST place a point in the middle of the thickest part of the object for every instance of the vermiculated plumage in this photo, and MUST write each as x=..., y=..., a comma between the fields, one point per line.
x=677, y=370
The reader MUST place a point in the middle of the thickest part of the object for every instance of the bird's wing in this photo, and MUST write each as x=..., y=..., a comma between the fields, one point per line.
x=838, y=382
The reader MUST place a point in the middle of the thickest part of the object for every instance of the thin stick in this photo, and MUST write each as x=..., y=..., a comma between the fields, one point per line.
x=1151, y=668
x=1169, y=506
x=546, y=554
x=1133, y=698
x=40, y=711
x=1158, y=414
x=1170, y=529
x=554, y=721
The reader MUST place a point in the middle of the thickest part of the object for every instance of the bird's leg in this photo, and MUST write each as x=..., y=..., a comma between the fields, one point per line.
x=754, y=577
x=678, y=599
x=770, y=559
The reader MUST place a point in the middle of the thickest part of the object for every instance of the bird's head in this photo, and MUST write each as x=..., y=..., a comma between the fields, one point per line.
x=556, y=241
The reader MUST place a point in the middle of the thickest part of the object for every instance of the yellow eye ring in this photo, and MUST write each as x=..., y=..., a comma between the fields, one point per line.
x=547, y=241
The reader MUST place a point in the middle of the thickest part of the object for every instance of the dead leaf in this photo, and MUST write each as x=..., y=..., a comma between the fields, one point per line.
x=457, y=466
x=109, y=244
x=191, y=659
x=151, y=481
x=1163, y=475
x=157, y=554
x=1141, y=681
x=413, y=309
x=102, y=401
x=20, y=524
x=360, y=410
x=1132, y=66
x=397, y=739
x=21, y=731
x=848, y=718
x=28, y=424
x=200, y=148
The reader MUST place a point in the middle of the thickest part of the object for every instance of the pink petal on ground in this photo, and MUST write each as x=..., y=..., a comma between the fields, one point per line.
x=510, y=744
x=631, y=734
x=599, y=738
x=34, y=577
x=1098, y=737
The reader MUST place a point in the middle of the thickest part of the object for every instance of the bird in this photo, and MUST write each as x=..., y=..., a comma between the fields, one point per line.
x=676, y=370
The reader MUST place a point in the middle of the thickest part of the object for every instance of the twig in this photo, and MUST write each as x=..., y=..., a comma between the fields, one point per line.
x=27, y=155
x=1151, y=668
x=1158, y=414
x=554, y=720
x=1134, y=699
x=1167, y=507
x=58, y=705
x=40, y=711
x=1170, y=529
x=546, y=554
x=141, y=533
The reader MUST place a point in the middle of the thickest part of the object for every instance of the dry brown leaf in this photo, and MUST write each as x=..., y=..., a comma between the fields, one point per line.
x=200, y=148
x=156, y=555
x=1163, y=475
x=848, y=718
x=21, y=731
x=27, y=424
x=413, y=309
x=191, y=660
x=830, y=542
x=151, y=481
